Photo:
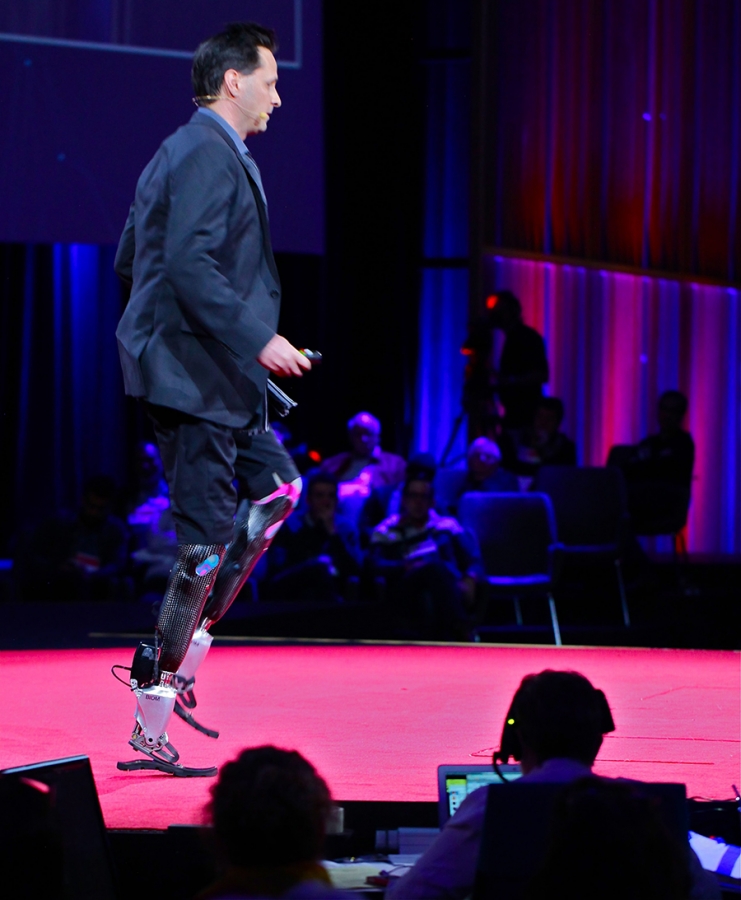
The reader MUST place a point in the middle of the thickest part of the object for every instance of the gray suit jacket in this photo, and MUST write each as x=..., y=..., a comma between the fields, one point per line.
x=205, y=289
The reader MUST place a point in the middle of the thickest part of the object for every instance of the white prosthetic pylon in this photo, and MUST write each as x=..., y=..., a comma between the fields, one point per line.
x=185, y=679
x=254, y=532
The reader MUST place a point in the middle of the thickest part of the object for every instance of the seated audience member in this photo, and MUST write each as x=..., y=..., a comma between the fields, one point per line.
x=149, y=480
x=386, y=500
x=153, y=539
x=659, y=470
x=80, y=555
x=555, y=723
x=483, y=474
x=431, y=564
x=543, y=444
x=607, y=837
x=365, y=466
x=269, y=810
x=317, y=551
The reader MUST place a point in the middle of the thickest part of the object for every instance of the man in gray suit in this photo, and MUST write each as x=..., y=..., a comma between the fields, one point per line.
x=197, y=341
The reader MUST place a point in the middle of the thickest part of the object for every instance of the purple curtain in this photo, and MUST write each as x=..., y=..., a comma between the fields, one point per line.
x=613, y=132
x=615, y=342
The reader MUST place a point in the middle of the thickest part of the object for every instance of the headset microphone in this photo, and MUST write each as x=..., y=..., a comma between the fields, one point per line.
x=250, y=112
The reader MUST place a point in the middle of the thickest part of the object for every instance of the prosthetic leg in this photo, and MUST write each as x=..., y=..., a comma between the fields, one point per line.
x=153, y=673
x=253, y=535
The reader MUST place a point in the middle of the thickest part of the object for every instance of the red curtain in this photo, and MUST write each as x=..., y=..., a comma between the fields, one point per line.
x=614, y=131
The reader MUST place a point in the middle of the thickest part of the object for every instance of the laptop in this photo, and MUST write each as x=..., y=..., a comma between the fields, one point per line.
x=455, y=783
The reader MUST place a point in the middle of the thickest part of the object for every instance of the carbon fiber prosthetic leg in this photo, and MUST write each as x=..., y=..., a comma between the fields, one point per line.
x=153, y=679
x=252, y=537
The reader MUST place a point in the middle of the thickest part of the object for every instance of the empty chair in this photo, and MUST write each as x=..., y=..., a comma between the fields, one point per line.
x=591, y=514
x=519, y=549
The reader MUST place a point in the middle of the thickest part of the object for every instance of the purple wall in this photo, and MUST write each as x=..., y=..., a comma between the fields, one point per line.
x=91, y=87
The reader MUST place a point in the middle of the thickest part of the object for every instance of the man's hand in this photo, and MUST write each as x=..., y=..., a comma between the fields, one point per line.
x=282, y=358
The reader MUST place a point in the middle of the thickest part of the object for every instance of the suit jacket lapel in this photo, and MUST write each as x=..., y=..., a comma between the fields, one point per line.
x=200, y=119
x=263, y=213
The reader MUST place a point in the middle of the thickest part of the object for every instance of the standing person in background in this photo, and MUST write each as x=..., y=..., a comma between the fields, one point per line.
x=522, y=369
x=197, y=341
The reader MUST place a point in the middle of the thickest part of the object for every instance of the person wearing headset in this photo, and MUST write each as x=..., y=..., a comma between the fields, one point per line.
x=554, y=728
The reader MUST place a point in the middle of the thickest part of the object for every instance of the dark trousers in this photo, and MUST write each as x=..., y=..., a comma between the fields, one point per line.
x=201, y=461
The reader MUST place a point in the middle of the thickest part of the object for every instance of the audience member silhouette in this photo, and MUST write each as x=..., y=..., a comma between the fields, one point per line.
x=153, y=538
x=80, y=555
x=386, y=500
x=316, y=551
x=431, y=565
x=543, y=443
x=269, y=810
x=365, y=465
x=658, y=470
x=522, y=368
x=554, y=728
x=607, y=838
x=483, y=474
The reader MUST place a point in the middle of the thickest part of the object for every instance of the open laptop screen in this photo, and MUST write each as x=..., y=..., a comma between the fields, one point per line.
x=455, y=783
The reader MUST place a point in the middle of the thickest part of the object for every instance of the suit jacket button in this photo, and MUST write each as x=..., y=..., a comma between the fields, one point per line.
x=275, y=294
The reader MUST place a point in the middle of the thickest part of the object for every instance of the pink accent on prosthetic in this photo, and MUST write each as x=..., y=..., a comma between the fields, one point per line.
x=290, y=489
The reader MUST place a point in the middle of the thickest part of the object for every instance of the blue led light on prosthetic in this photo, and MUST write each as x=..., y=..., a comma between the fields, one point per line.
x=207, y=565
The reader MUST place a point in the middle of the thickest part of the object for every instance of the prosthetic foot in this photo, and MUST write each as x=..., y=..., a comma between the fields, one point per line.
x=154, y=706
x=253, y=535
x=185, y=679
x=153, y=669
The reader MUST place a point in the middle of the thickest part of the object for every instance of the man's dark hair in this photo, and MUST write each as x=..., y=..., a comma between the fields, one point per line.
x=554, y=405
x=560, y=714
x=321, y=478
x=506, y=300
x=421, y=467
x=269, y=807
x=675, y=401
x=417, y=475
x=236, y=47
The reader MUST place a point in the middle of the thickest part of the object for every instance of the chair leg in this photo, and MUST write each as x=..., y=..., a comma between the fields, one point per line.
x=623, y=598
x=554, y=621
x=518, y=610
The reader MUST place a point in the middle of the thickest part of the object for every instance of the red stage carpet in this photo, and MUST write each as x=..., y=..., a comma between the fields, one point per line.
x=375, y=720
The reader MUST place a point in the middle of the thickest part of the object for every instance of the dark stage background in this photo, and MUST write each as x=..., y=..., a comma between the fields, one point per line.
x=585, y=155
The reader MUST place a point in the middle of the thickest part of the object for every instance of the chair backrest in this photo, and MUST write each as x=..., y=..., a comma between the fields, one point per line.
x=517, y=825
x=590, y=503
x=620, y=455
x=515, y=531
